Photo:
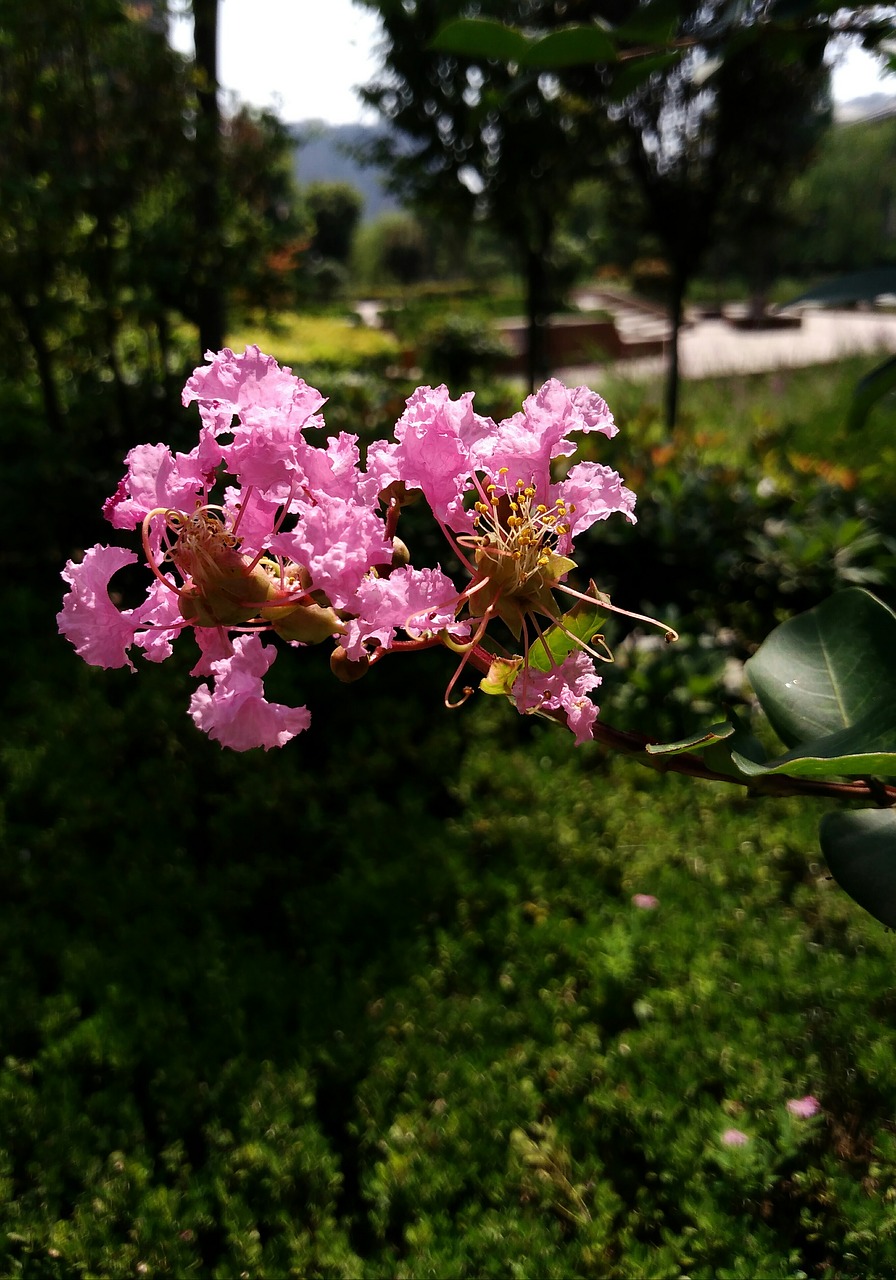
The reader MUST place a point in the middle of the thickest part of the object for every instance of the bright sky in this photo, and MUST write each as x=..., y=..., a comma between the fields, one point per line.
x=303, y=57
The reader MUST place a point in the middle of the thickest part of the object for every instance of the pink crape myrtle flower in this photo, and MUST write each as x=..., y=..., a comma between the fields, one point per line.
x=804, y=1108
x=265, y=527
x=563, y=688
x=280, y=550
x=489, y=486
x=645, y=901
x=735, y=1138
x=409, y=600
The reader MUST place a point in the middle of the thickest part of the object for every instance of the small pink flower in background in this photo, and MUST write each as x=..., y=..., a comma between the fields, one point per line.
x=804, y=1108
x=645, y=901
x=735, y=1138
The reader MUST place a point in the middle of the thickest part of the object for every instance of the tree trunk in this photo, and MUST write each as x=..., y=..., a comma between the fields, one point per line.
x=536, y=318
x=209, y=248
x=44, y=361
x=679, y=287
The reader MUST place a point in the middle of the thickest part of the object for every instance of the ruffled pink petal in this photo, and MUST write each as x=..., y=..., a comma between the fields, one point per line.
x=235, y=712
x=269, y=458
x=435, y=436
x=335, y=469
x=383, y=468
x=590, y=412
x=565, y=688
x=155, y=478
x=527, y=443
x=100, y=632
x=252, y=515
x=161, y=622
x=214, y=644
x=409, y=600
x=252, y=385
x=338, y=542
x=591, y=492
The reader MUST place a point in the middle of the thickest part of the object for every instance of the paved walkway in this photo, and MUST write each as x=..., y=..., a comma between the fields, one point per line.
x=713, y=347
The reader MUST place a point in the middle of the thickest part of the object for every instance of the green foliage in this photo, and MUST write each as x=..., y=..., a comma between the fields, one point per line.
x=826, y=683
x=336, y=208
x=382, y=1005
x=323, y=341
x=457, y=346
x=393, y=249
x=845, y=199
x=103, y=253
x=434, y=1035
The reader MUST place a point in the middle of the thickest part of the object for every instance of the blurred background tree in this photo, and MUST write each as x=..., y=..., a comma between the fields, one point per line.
x=335, y=210
x=697, y=116
x=711, y=141
x=476, y=138
x=109, y=239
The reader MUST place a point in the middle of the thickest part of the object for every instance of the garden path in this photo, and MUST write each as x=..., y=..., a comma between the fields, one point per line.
x=709, y=348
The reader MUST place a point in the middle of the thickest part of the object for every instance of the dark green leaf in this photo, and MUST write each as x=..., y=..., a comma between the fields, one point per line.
x=715, y=733
x=631, y=74
x=570, y=47
x=860, y=849
x=828, y=669
x=481, y=38
x=827, y=682
x=652, y=24
x=867, y=748
x=857, y=286
x=719, y=744
x=582, y=622
x=873, y=387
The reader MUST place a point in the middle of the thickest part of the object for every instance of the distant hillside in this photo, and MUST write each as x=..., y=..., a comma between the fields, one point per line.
x=872, y=107
x=323, y=151
x=323, y=154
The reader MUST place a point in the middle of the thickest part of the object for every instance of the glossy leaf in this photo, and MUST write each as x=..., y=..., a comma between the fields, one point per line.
x=827, y=682
x=571, y=47
x=857, y=286
x=860, y=850
x=696, y=741
x=634, y=72
x=827, y=669
x=651, y=24
x=481, y=38
x=873, y=387
x=583, y=625
x=718, y=745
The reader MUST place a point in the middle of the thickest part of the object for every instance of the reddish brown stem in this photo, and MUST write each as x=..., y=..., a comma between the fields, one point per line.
x=778, y=784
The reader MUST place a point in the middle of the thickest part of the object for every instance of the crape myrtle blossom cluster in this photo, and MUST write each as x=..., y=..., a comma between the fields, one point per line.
x=260, y=529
